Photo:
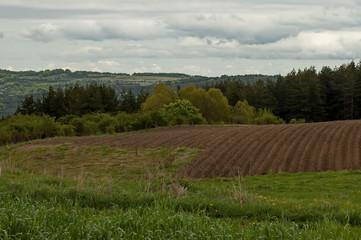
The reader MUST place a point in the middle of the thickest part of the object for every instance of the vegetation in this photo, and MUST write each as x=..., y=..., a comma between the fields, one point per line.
x=28, y=127
x=64, y=192
x=15, y=86
x=20, y=128
x=95, y=109
x=182, y=112
x=159, y=97
x=331, y=94
x=74, y=100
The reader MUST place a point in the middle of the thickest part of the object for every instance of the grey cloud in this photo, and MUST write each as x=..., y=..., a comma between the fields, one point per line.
x=265, y=26
x=229, y=27
x=18, y=12
x=93, y=52
x=43, y=33
x=305, y=45
x=254, y=25
x=99, y=30
x=1, y=35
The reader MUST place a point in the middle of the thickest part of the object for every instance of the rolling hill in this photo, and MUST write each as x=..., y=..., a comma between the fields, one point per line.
x=14, y=86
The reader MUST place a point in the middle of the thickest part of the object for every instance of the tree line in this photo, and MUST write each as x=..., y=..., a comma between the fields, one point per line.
x=303, y=95
x=95, y=109
x=80, y=100
x=331, y=94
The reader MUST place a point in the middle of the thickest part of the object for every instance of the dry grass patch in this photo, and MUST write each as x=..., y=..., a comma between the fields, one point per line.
x=97, y=162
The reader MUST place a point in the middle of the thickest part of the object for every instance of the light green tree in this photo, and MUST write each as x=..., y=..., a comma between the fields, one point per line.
x=160, y=96
x=182, y=112
x=243, y=113
x=212, y=103
x=218, y=109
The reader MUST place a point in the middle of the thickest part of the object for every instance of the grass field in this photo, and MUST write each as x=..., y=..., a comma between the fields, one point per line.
x=68, y=192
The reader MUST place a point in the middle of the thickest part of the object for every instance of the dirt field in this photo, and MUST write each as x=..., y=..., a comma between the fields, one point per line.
x=248, y=150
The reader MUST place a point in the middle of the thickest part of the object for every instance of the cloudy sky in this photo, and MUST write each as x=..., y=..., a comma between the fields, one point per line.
x=207, y=37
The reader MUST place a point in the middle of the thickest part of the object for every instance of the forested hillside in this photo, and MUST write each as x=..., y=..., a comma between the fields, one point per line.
x=14, y=86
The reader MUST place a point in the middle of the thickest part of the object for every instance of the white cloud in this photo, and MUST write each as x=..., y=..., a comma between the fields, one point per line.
x=51, y=66
x=198, y=70
x=86, y=51
x=191, y=42
x=156, y=68
x=108, y=63
x=323, y=44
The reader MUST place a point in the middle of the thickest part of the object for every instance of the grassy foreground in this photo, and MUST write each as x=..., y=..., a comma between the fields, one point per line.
x=69, y=192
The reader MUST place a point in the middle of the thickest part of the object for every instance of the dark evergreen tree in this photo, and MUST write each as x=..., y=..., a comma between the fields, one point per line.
x=141, y=97
x=29, y=106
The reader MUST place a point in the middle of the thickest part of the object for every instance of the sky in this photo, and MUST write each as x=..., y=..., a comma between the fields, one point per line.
x=197, y=37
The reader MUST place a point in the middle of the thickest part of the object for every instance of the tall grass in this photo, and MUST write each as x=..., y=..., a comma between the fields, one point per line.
x=25, y=218
x=110, y=204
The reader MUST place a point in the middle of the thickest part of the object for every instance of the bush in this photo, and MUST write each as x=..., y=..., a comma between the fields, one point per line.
x=141, y=121
x=66, y=119
x=84, y=127
x=27, y=127
x=265, y=116
x=123, y=122
x=5, y=136
x=182, y=112
x=107, y=124
x=48, y=127
x=158, y=119
x=67, y=130
x=297, y=120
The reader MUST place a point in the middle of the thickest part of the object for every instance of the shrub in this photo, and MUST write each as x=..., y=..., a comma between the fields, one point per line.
x=265, y=116
x=158, y=119
x=5, y=136
x=48, y=127
x=27, y=127
x=107, y=124
x=66, y=119
x=123, y=122
x=141, y=121
x=84, y=127
x=67, y=130
x=297, y=120
x=182, y=112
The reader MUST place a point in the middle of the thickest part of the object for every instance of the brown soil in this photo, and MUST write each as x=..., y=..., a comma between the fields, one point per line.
x=248, y=150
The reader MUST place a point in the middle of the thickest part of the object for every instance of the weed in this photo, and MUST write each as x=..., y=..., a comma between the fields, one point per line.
x=178, y=190
x=240, y=194
x=166, y=159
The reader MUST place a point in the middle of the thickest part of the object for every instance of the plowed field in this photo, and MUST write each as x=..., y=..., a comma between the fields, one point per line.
x=248, y=150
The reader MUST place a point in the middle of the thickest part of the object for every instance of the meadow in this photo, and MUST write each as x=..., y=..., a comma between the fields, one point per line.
x=100, y=192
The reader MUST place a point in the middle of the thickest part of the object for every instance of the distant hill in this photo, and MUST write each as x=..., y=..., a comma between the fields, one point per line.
x=14, y=86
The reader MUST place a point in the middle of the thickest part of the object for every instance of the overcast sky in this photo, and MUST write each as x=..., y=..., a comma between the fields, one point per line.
x=207, y=37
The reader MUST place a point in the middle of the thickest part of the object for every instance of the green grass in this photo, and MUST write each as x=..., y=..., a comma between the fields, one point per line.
x=94, y=198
